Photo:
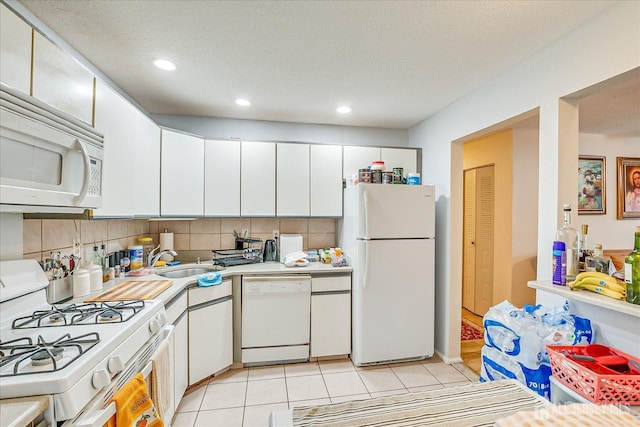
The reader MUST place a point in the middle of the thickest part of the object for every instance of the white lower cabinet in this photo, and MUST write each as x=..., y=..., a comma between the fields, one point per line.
x=181, y=358
x=210, y=330
x=177, y=316
x=330, y=315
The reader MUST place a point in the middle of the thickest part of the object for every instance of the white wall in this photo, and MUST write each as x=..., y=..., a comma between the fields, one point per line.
x=606, y=46
x=606, y=229
x=257, y=130
x=524, y=222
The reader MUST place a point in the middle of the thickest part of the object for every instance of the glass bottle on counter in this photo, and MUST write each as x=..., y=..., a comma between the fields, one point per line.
x=632, y=271
x=583, y=250
x=569, y=235
x=597, y=261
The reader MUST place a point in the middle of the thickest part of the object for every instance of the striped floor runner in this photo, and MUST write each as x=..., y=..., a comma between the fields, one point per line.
x=478, y=404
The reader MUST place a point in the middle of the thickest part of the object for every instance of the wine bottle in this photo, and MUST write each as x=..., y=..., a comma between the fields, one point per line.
x=632, y=271
x=569, y=236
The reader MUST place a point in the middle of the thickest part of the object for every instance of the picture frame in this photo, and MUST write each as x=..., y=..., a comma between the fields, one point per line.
x=628, y=172
x=592, y=194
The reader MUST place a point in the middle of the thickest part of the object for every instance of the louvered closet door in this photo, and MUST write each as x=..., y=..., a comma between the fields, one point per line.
x=478, y=239
x=484, y=239
x=469, y=242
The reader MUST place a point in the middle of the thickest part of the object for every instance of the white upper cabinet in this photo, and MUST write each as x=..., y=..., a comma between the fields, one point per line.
x=15, y=50
x=114, y=118
x=292, y=180
x=181, y=174
x=222, y=178
x=146, y=166
x=60, y=81
x=131, y=173
x=358, y=158
x=258, y=179
x=407, y=159
x=326, y=180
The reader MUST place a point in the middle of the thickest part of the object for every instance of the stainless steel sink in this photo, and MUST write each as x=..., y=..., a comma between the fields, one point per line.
x=179, y=273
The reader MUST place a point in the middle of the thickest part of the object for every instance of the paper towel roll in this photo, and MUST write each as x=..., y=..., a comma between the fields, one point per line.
x=166, y=242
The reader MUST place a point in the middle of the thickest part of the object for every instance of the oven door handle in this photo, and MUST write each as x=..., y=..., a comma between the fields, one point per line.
x=102, y=417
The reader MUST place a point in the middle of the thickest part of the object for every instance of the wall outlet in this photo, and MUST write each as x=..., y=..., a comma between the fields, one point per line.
x=276, y=234
x=77, y=248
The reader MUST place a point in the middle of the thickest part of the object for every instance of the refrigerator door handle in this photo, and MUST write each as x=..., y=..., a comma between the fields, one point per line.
x=366, y=265
x=365, y=197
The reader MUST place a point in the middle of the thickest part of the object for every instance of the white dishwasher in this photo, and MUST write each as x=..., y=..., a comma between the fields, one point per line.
x=276, y=317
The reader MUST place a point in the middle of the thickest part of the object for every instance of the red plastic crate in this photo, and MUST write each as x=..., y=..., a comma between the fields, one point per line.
x=597, y=387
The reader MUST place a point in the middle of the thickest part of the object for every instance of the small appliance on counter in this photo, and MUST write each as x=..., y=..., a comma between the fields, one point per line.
x=289, y=243
x=270, y=250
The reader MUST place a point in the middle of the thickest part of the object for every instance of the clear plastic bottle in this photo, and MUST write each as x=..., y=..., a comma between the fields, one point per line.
x=569, y=235
x=632, y=271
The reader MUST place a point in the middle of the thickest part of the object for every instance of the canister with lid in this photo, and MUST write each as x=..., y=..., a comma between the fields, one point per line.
x=413, y=178
x=135, y=257
x=377, y=165
x=364, y=175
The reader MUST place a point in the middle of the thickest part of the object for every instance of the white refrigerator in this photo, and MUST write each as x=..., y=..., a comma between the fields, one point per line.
x=389, y=233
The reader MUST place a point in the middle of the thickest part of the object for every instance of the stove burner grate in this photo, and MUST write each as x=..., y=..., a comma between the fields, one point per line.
x=80, y=314
x=21, y=351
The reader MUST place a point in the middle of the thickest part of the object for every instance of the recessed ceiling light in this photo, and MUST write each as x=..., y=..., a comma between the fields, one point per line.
x=343, y=109
x=163, y=64
x=243, y=102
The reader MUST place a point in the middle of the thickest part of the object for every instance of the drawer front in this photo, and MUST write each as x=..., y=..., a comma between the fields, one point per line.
x=330, y=283
x=199, y=295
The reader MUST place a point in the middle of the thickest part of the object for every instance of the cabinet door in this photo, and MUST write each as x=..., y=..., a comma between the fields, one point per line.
x=210, y=340
x=292, y=180
x=258, y=179
x=15, y=50
x=181, y=369
x=146, y=167
x=326, y=180
x=115, y=119
x=222, y=178
x=330, y=324
x=60, y=81
x=405, y=158
x=181, y=174
x=358, y=158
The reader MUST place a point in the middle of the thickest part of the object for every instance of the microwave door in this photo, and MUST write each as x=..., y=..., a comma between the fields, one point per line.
x=42, y=165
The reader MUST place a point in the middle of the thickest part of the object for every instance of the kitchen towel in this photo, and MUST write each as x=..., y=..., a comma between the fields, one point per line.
x=134, y=407
x=209, y=279
x=166, y=242
x=161, y=381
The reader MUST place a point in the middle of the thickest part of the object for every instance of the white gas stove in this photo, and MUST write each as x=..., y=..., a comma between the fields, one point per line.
x=78, y=354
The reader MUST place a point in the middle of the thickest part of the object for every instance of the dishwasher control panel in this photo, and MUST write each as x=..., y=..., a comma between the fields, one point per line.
x=273, y=285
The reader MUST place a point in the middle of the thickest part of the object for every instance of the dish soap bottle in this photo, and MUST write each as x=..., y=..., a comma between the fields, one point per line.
x=569, y=236
x=632, y=271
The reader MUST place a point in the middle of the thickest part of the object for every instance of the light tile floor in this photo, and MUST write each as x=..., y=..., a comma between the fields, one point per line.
x=246, y=397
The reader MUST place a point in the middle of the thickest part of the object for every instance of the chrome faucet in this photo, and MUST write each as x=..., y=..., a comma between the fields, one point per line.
x=153, y=257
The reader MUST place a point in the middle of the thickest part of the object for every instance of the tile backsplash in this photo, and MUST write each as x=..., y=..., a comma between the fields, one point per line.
x=42, y=236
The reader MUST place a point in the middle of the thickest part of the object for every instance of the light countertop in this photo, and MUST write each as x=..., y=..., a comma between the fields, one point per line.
x=21, y=411
x=271, y=268
x=587, y=297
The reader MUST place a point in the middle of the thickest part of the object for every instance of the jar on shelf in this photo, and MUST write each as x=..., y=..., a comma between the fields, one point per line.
x=377, y=165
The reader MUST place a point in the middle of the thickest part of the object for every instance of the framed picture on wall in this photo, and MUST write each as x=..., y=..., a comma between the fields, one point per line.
x=591, y=187
x=628, y=187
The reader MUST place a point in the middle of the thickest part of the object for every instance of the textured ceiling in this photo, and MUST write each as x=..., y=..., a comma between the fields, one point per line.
x=394, y=62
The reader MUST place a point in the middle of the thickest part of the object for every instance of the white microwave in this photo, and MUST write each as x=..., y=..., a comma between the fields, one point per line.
x=49, y=161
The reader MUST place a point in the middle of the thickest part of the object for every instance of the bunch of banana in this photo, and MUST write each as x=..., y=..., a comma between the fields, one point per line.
x=600, y=283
